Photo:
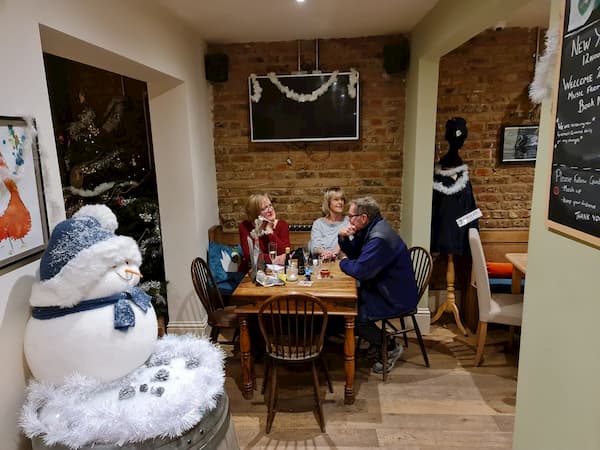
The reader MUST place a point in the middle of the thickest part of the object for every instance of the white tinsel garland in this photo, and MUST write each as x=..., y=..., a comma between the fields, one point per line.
x=256, y=88
x=83, y=411
x=353, y=83
x=293, y=95
x=314, y=95
x=462, y=174
x=541, y=86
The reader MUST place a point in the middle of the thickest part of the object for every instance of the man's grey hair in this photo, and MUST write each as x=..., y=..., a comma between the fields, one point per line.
x=368, y=206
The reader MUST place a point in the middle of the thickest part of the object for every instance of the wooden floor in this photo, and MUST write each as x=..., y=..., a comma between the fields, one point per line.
x=449, y=405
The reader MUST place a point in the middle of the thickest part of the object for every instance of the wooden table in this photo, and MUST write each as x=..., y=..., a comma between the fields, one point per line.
x=519, y=262
x=340, y=295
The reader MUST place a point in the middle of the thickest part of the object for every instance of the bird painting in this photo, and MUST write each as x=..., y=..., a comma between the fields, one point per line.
x=15, y=218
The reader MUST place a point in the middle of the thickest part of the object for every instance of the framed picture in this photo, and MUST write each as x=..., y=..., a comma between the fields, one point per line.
x=518, y=144
x=23, y=222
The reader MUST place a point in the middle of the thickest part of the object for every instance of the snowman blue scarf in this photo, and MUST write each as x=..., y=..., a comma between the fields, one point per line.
x=124, y=316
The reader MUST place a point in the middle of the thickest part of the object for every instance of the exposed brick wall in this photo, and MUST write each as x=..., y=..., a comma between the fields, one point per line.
x=486, y=81
x=370, y=166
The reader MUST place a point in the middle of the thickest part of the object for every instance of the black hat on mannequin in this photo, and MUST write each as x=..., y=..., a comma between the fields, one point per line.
x=456, y=129
x=456, y=133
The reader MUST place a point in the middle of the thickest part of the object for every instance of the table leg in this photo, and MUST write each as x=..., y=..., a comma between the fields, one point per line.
x=246, y=359
x=517, y=275
x=349, y=348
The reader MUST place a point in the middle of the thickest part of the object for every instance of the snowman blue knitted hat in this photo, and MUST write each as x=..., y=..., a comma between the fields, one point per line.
x=80, y=251
x=69, y=238
x=88, y=226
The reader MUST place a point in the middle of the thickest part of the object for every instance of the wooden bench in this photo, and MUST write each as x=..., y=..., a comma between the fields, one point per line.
x=496, y=243
x=299, y=235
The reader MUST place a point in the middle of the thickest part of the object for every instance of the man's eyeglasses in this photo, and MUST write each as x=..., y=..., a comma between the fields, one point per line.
x=266, y=208
x=352, y=216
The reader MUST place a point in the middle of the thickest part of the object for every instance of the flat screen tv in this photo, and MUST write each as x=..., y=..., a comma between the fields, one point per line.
x=307, y=107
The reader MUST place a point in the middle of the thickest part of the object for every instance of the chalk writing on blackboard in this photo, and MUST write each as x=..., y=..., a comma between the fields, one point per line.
x=574, y=197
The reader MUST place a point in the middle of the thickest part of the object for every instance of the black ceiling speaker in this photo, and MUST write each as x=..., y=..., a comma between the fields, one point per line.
x=396, y=56
x=216, y=67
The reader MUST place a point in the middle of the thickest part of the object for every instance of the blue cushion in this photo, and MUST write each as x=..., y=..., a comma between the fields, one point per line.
x=228, y=286
x=215, y=263
x=502, y=285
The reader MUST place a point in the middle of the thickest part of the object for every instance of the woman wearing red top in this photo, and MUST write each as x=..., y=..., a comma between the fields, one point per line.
x=263, y=225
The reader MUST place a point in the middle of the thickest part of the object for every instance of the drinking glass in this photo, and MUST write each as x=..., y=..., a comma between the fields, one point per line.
x=292, y=274
x=306, y=256
x=272, y=251
x=305, y=259
x=322, y=260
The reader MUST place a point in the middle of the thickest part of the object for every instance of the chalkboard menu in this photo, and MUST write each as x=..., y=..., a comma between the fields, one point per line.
x=574, y=196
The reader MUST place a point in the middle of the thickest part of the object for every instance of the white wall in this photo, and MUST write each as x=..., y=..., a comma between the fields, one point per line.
x=134, y=39
x=558, y=393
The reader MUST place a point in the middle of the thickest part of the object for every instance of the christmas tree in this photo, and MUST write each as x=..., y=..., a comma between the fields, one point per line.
x=105, y=155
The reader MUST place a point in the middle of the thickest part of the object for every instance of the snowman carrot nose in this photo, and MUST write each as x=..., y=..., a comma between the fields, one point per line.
x=134, y=272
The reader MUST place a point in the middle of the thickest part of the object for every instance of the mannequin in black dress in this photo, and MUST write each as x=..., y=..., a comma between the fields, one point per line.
x=452, y=198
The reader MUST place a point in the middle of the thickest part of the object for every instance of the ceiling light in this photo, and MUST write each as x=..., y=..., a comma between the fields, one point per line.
x=300, y=1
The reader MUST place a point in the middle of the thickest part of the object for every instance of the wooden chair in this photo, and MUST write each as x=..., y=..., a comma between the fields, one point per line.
x=219, y=316
x=422, y=265
x=293, y=326
x=501, y=308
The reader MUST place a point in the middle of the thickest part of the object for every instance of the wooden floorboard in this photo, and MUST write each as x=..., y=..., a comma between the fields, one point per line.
x=450, y=405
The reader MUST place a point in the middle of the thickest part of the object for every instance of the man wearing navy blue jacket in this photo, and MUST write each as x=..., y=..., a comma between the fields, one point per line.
x=378, y=258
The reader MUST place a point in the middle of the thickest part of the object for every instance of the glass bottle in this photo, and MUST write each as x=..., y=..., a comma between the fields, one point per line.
x=286, y=262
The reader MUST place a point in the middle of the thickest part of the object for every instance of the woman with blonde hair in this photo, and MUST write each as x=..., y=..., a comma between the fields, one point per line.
x=263, y=226
x=324, y=232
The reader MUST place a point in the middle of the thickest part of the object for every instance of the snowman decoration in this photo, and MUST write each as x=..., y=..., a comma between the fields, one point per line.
x=101, y=375
x=88, y=316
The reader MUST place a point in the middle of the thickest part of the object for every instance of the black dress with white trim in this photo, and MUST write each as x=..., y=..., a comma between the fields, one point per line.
x=452, y=198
